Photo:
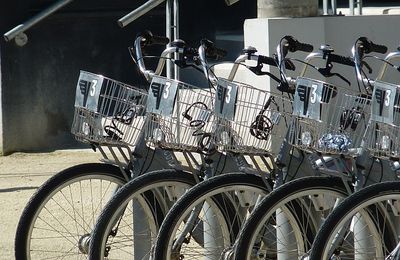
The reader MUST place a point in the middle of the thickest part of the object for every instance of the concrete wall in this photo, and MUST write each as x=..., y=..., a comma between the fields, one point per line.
x=38, y=80
x=339, y=32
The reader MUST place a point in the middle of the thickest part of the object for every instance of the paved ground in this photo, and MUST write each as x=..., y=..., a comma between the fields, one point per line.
x=20, y=175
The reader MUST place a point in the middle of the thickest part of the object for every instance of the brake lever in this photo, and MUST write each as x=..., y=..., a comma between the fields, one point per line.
x=257, y=70
x=326, y=72
x=367, y=66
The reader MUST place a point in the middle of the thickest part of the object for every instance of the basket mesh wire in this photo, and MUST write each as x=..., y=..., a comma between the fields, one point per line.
x=382, y=137
x=328, y=119
x=179, y=116
x=107, y=112
x=249, y=119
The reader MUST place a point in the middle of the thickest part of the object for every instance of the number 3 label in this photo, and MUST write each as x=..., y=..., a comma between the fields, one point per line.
x=387, y=97
x=228, y=95
x=93, y=87
x=313, y=97
x=166, y=91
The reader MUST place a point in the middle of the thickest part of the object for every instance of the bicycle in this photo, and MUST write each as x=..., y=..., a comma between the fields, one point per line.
x=374, y=209
x=119, y=202
x=107, y=234
x=109, y=115
x=285, y=223
x=249, y=135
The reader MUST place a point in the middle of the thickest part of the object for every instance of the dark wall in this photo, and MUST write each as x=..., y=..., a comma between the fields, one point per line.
x=39, y=79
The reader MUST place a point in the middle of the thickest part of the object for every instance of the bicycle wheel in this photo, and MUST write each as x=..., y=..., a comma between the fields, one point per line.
x=129, y=223
x=206, y=220
x=363, y=226
x=284, y=224
x=63, y=211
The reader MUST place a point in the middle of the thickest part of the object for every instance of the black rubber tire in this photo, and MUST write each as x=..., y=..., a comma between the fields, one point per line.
x=275, y=199
x=138, y=186
x=45, y=190
x=364, y=196
x=198, y=192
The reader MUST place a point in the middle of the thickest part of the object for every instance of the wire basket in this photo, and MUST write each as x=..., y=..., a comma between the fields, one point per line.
x=107, y=112
x=179, y=116
x=382, y=137
x=328, y=119
x=249, y=119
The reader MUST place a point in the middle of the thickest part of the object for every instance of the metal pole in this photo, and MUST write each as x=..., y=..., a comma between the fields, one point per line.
x=359, y=7
x=334, y=7
x=176, y=35
x=35, y=19
x=325, y=7
x=138, y=12
x=351, y=5
x=168, y=33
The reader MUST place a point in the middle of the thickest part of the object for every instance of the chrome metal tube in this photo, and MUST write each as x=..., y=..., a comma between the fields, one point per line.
x=334, y=7
x=357, y=62
x=325, y=7
x=148, y=74
x=202, y=56
x=138, y=12
x=168, y=33
x=359, y=7
x=8, y=36
x=391, y=56
x=235, y=67
x=310, y=57
x=139, y=58
x=239, y=60
x=176, y=35
x=351, y=6
x=163, y=57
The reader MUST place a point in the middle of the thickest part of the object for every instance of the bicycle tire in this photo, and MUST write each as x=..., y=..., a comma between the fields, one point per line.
x=267, y=235
x=215, y=193
x=365, y=201
x=33, y=228
x=114, y=219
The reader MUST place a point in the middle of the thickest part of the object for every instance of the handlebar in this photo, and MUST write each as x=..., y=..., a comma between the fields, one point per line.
x=206, y=50
x=146, y=39
x=149, y=39
x=364, y=46
x=212, y=51
x=250, y=54
x=289, y=43
x=294, y=45
x=368, y=46
x=326, y=53
x=342, y=60
x=391, y=56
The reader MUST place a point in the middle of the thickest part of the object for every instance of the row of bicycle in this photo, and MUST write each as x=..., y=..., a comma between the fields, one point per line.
x=228, y=171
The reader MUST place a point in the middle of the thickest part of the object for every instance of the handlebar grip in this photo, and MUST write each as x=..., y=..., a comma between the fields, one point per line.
x=267, y=60
x=341, y=59
x=159, y=40
x=303, y=46
x=149, y=38
x=378, y=48
x=214, y=51
x=369, y=46
x=188, y=51
x=211, y=50
x=272, y=62
x=295, y=45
